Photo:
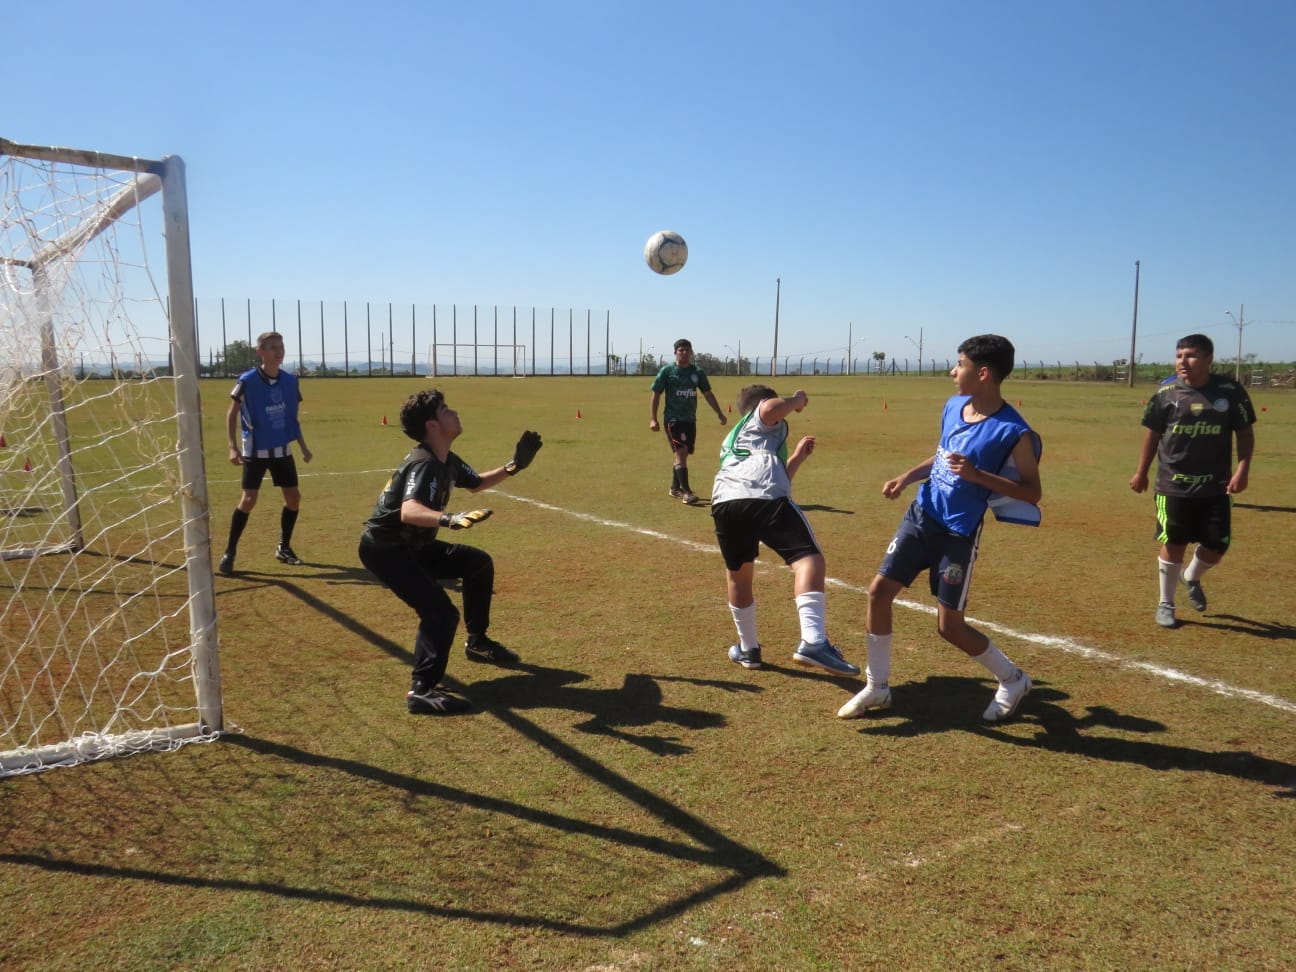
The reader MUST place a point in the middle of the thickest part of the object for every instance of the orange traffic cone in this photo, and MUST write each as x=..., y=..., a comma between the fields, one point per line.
x=884, y=405
x=578, y=414
x=384, y=421
x=3, y=443
x=26, y=465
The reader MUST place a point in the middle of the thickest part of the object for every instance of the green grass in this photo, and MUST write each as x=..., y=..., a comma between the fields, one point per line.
x=629, y=799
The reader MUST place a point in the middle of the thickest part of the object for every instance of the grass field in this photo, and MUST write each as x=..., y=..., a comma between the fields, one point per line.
x=628, y=799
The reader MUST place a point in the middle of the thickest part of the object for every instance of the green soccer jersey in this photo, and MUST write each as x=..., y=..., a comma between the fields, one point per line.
x=679, y=388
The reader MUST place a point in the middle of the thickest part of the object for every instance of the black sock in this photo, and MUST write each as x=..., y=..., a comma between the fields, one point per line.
x=682, y=471
x=287, y=520
x=237, y=522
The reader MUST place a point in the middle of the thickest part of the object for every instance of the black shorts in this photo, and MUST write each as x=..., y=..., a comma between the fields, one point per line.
x=1206, y=520
x=742, y=525
x=681, y=435
x=283, y=472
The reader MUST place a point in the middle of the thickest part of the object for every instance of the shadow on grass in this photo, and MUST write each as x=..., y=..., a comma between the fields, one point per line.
x=820, y=508
x=946, y=703
x=1260, y=508
x=1273, y=630
x=704, y=846
x=638, y=702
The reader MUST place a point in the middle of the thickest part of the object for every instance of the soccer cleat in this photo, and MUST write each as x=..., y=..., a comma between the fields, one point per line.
x=689, y=498
x=1196, y=596
x=483, y=649
x=1008, y=697
x=873, y=697
x=676, y=492
x=826, y=656
x=226, y=566
x=747, y=659
x=284, y=554
x=434, y=702
x=1165, y=615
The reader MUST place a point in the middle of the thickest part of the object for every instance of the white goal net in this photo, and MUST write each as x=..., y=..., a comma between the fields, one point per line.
x=107, y=617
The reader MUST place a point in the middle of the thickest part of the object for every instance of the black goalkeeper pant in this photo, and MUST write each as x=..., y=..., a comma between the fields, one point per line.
x=413, y=576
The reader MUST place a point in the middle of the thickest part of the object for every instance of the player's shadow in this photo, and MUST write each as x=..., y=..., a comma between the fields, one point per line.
x=1261, y=508
x=820, y=508
x=1272, y=630
x=638, y=703
x=950, y=704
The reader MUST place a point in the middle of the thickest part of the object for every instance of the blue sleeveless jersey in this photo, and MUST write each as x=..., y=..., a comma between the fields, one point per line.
x=269, y=411
x=957, y=504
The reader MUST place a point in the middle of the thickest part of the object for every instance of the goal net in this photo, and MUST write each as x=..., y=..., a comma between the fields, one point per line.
x=107, y=616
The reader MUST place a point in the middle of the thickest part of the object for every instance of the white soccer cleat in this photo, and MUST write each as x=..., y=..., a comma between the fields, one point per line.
x=872, y=697
x=1008, y=697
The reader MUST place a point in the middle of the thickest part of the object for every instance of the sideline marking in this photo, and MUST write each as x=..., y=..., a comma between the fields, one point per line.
x=1068, y=645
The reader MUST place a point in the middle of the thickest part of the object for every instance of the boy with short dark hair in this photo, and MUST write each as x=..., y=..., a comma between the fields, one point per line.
x=986, y=452
x=264, y=403
x=680, y=383
x=1190, y=423
x=401, y=548
x=751, y=502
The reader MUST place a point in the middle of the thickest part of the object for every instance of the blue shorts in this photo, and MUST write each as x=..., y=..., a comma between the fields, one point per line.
x=921, y=543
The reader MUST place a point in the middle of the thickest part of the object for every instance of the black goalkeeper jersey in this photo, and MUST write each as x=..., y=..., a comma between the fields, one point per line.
x=423, y=477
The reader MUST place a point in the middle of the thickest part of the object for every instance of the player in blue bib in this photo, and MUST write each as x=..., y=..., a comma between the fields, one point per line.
x=263, y=404
x=987, y=454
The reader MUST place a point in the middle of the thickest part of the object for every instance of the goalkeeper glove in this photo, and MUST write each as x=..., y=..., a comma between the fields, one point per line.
x=523, y=453
x=464, y=521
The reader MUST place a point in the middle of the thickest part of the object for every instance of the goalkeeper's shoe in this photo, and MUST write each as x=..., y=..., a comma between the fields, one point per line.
x=284, y=554
x=485, y=649
x=421, y=701
x=226, y=566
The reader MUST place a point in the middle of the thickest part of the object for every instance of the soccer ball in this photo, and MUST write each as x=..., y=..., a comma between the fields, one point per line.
x=665, y=252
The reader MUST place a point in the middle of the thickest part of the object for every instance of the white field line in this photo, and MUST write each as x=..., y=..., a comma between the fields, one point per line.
x=1067, y=645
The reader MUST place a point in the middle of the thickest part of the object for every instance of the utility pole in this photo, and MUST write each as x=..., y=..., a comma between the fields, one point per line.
x=778, y=287
x=1241, y=323
x=1129, y=371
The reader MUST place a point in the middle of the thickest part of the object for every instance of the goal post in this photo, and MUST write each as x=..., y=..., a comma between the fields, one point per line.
x=108, y=640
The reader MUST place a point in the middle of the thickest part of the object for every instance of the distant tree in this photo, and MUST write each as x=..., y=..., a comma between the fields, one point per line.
x=239, y=356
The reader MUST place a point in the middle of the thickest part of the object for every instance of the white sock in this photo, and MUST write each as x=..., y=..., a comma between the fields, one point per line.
x=1196, y=568
x=999, y=664
x=810, y=608
x=879, y=660
x=1169, y=578
x=745, y=622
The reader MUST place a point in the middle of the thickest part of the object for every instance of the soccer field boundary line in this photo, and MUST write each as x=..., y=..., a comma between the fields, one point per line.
x=1067, y=645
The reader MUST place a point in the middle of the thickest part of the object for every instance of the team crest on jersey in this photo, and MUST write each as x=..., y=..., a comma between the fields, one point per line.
x=694, y=378
x=1196, y=408
x=953, y=574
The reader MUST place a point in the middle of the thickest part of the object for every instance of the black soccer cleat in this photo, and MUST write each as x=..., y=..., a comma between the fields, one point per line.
x=483, y=649
x=284, y=554
x=226, y=565
x=435, y=702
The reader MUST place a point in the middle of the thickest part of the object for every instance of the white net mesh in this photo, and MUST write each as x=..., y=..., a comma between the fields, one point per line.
x=97, y=520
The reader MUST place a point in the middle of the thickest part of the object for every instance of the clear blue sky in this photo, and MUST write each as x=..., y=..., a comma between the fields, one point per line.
x=954, y=167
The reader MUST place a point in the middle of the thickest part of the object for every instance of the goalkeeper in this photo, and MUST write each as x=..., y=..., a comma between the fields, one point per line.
x=401, y=548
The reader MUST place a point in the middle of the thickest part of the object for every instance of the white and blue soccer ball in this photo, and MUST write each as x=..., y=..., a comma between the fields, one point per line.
x=666, y=252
